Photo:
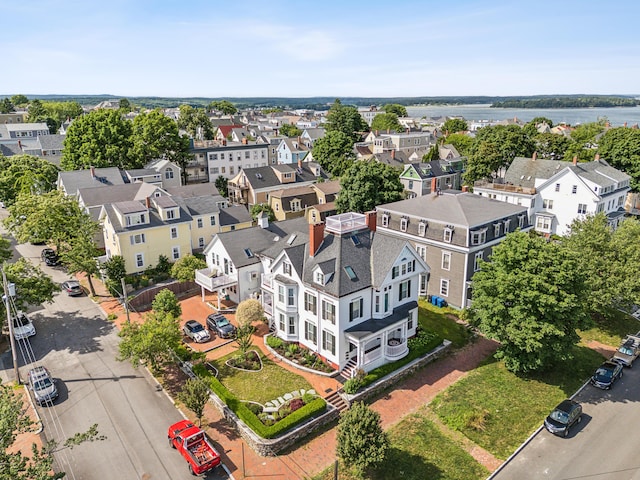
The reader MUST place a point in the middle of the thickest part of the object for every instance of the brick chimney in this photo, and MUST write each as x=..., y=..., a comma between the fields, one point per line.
x=597, y=157
x=299, y=163
x=316, y=236
x=245, y=141
x=93, y=171
x=393, y=154
x=535, y=156
x=575, y=159
x=371, y=220
x=147, y=202
x=434, y=185
x=465, y=188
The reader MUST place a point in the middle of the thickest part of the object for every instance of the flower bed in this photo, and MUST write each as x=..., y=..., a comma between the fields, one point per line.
x=300, y=355
x=249, y=361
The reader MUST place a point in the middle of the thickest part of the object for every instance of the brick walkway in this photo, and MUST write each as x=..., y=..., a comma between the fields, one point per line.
x=318, y=453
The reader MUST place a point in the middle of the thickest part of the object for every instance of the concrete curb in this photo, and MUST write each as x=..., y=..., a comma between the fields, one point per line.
x=528, y=440
x=39, y=420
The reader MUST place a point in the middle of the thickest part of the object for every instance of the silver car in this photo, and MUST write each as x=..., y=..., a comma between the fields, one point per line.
x=196, y=331
x=43, y=385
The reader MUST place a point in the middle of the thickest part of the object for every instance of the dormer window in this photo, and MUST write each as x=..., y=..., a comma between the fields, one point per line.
x=479, y=237
x=521, y=221
x=319, y=277
x=385, y=220
x=448, y=234
x=496, y=229
x=404, y=221
x=507, y=224
x=171, y=214
x=422, y=228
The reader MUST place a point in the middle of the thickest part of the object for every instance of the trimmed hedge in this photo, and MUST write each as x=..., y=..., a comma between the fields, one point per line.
x=247, y=416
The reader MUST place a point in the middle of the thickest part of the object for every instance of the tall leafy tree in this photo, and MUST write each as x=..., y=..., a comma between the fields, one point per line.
x=154, y=135
x=395, y=108
x=19, y=100
x=345, y=119
x=222, y=184
x=101, y=138
x=78, y=253
x=530, y=298
x=5, y=250
x=21, y=174
x=184, y=270
x=621, y=148
x=624, y=245
x=167, y=302
x=463, y=143
x=223, y=106
x=361, y=442
x=36, y=111
x=262, y=207
x=551, y=145
x=334, y=152
x=455, y=125
x=195, y=122
x=531, y=128
x=195, y=395
x=386, y=122
x=6, y=106
x=584, y=141
x=367, y=184
x=33, y=287
x=289, y=130
x=151, y=341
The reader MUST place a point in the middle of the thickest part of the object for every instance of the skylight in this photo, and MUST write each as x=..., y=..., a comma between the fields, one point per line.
x=355, y=240
x=248, y=252
x=350, y=273
x=291, y=239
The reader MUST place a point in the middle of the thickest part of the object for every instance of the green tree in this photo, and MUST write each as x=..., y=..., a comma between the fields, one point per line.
x=25, y=174
x=61, y=111
x=33, y=287
x=624, y=246
x=79, y=252
x=125, y=105
x=432, y=154
x=584, y=141
x=262, y=207
x=289, y=130
x=345, y=119
x=14, y=464
x=530, y=298
x=223, y=106
x=184, y=269
x=361, y=442
x=154, y=135
x=195, y=395
x=19, y=100
x=6, y=106
x=222, y=184
x=166, y=302
x=151, y=341
x=249, y=311
x=494, y=149
x=367, y=184
x=386, y=122
x=195, y=122
x=531, y=128
x=589, y=240
x=396, y=109
x=620, y=147
x=101, y=138
x=115, y=270
x=455, y=125
x=244, y=338
x=5, y=250
x=37, y=112
x=551, y=145
x=463, y=143
x=334, y=152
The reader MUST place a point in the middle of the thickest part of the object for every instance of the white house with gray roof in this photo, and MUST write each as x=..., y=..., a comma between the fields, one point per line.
x=557, y=192
x=342, y=290
x=451, y=231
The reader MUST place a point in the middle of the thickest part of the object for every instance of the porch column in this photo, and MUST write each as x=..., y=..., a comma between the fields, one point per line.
x=202, y=292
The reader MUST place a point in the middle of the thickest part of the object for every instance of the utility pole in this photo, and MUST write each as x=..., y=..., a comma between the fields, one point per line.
x=12, y=339
x=126, y=298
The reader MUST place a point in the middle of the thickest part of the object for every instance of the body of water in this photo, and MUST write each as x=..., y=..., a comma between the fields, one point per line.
x=572, y=116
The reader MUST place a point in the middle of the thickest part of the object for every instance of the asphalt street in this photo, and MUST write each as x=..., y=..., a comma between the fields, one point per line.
x=604, y=446
x=80, y=347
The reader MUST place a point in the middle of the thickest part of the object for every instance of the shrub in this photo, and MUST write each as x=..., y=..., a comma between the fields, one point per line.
x=163, y=266
x=274, y=342
x=308, y=398
x=254, y=407
x=296, y=404
x=351, y=386
x=112, y=317
x=292, y=349
x=421, y=340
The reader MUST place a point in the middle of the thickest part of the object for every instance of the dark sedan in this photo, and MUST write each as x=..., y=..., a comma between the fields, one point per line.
x=563, y=417
x=49, y=257
x=218, y=324
x=606, y=375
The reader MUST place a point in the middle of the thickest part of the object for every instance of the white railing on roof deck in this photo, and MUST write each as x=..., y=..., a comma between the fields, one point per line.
x=212, y=280
x=345, y=222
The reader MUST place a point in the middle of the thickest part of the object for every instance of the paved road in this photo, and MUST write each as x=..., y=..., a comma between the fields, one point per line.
x=603, y=447
x=79, y=347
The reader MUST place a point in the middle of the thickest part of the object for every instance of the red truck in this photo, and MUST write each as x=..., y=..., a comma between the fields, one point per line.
x=194, y=446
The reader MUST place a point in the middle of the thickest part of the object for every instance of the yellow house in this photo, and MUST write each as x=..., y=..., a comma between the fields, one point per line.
x=142, y=231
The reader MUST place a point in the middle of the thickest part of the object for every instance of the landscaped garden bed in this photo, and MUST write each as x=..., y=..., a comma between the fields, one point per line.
x=299, y=355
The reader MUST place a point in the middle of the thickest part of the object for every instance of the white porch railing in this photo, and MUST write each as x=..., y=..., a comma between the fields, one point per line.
x=395, y=351
x=267, y=281
x=212, y=281
x=268, y=308
x=372, y=355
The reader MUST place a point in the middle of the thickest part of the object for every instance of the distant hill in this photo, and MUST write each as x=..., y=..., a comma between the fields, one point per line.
x=320, y=103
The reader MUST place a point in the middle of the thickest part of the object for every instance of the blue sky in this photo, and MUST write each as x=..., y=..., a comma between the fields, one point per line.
x=319, y=48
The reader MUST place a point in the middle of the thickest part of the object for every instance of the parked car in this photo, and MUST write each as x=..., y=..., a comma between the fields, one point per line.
x=49, y=257
x=218, y=324
x=72, y=287
x=22, y=326
x=43, y=385
x=196, y=332
x=563, y=417
x=628, y=351
x=606, y=375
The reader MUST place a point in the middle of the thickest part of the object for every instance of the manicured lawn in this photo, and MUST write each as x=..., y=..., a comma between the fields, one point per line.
x=269, y=383
x=499, y=410
x=611, y=332
x=419, y=451
x=435, y=320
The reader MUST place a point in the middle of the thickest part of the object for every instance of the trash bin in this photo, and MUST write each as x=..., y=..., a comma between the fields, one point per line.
x=440, y=302
x=434, y=300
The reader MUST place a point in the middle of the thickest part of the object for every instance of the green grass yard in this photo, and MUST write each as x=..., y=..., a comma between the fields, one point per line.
x=611, y=331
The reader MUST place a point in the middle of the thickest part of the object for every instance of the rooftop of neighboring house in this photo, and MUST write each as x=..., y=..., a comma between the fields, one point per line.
x=295, y=144
x=435, y=168
x=193, y=190
x=73, y=180
x=203, y=205
x=103, y=194
x=363, y=150
x=524, y=171
x=26, y=127
x=293, y=192
x=329, y=187
x=453, y=207
x=265, y=177
x=314, y=133
x=10, y=149
x=133, y=206
x=325, y=207
x=51, y=142
x=233, y=215
x=225, y=130
x=392, y=157
x=141, y=172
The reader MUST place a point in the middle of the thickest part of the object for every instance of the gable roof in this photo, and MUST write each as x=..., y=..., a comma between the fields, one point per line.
x=524, y=171
x=93, y=196
x=453, y=207
x=265, y=177
x=193, y=190
x=73, y=180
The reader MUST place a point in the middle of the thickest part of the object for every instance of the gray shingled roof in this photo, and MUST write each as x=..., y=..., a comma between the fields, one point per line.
x=165, y=202
x=366, y=328
x=453, y=207
x=76, y=179
x=269, y=179
x=141, y=172
x=51, y=142
x=154, y=218
x=116, y=193
x=194, y=190
x=234, y=215
x=202, y=205
x=599, y=172
x=524, y=171
x=129, y=206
